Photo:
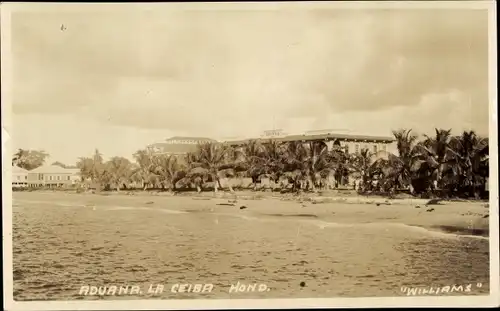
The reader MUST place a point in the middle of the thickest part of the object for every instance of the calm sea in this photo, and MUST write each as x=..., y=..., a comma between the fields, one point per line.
x=63, y=242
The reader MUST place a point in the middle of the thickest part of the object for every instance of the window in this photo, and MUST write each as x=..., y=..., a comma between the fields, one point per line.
x=375, y=149
x=40, y=176
x=58, y=177
x=50, y=177
x=26, y=177
x=356, y=148
x=346, y=148
x=68, y=177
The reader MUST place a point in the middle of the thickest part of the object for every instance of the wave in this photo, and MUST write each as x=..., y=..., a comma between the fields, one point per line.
x=435, y=231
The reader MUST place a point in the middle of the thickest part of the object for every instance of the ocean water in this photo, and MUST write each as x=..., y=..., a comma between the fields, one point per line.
x=64, y=242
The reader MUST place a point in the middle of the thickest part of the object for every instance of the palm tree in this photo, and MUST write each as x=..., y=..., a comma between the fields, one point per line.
x=270, y=163
x=435, y=151
x=361, y=167
x=341, y=161
x=211, y=161
x=469, y=162
x=308, y=162
x=253, y=153
x=399, y=170
x=93, y=168
x=143, y=172
x=118, y=171
x=168, y=169
x=85, y=165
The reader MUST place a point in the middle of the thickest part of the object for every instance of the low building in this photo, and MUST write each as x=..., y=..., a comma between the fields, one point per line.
x=52, y=176
x=19, y=177
x=75, y=176
x=179, y=145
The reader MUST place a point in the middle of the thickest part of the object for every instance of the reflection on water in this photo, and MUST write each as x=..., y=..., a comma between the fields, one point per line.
x=61, y=246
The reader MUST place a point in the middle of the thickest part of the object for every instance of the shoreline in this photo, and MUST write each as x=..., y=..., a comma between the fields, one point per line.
x=319, y=197
x=461, y=218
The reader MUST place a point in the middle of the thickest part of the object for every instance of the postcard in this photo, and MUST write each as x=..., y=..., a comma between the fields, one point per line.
x=249, y=155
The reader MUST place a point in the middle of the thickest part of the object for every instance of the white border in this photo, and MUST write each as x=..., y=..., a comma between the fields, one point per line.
x=463, y=301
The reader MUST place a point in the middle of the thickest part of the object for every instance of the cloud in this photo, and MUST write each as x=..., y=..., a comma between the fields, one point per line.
x=222, y=73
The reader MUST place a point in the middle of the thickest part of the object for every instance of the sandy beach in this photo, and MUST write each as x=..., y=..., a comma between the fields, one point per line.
x=297, y=247
x=460, y=217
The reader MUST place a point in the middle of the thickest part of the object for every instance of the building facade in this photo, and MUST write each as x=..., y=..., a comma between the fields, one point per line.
x=378, y=146
x=53, y=176
x=178, y=145
x=19, y=177
x=348, y=142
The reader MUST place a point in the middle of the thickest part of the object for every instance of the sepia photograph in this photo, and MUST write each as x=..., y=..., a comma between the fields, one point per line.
x=249, y=155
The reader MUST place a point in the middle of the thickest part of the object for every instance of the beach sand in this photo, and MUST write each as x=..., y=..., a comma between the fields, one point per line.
x=460, y=217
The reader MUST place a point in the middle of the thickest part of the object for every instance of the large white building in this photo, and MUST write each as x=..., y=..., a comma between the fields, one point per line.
x=351, y=143
x=178, y=145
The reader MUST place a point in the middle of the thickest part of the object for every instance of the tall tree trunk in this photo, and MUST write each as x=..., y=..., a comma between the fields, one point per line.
x=216, y=186
x=312, y=182
x=229, y=186
x=254, y=183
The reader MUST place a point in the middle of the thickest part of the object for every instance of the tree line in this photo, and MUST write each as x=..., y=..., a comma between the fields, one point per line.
x=443, y=164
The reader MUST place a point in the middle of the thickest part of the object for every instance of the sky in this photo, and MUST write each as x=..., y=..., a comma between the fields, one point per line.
x=120, y=80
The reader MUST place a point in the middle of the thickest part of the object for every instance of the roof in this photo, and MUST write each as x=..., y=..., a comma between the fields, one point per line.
x=18, y=170
x=328, y=136
x=52, y=169
x=190, y=138
x=175, y=148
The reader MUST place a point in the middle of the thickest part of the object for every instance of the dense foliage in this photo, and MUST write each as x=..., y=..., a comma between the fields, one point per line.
x=441, y=164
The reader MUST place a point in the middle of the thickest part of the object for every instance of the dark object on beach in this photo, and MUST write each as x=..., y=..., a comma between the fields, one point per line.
x=486, y=216
x=226, y=204
x=430, y=209
x=243, y=207
x=302, y=284
x=433, y=202
x=378, y=204
x=149, y=202
x=417, y=206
